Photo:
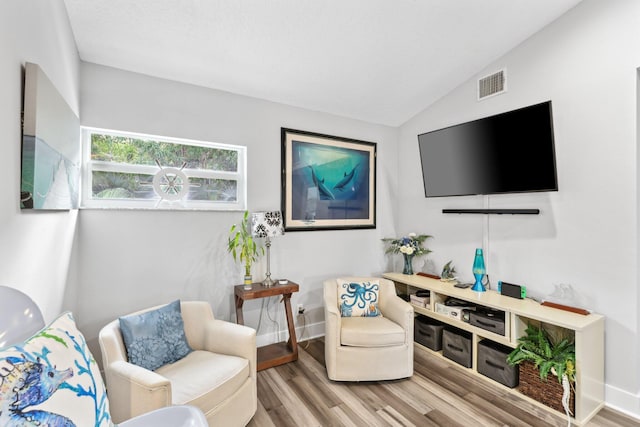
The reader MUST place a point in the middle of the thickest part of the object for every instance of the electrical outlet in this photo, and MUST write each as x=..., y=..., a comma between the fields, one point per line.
x=300, y=309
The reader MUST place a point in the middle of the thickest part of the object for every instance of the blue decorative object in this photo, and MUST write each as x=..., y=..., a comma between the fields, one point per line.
x=155, y=338
x=359, y=299
x=478, y=271
x=54, y=361
x=408, y=264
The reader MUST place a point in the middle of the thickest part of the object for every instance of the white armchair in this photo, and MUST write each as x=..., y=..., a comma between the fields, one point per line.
x=21, y=320
x=218, y=377
x=368, y=348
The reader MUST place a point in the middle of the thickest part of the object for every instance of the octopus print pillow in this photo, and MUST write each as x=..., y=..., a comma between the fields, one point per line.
x=52, y=380
x=358, y=299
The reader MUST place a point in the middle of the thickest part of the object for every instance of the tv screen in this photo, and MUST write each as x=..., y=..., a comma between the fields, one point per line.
x=512, y=152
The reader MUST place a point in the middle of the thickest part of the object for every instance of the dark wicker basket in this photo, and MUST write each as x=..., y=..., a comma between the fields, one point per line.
x=547, y=392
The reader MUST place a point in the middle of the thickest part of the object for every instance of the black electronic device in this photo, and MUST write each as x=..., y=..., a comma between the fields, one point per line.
x=511, y=290
x=491, y=320
x=462, y=285
x=512, y=152
x=454, y=302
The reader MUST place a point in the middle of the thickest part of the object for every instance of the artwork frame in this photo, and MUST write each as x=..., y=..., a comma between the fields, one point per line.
x=328, y=182
x=50, y=163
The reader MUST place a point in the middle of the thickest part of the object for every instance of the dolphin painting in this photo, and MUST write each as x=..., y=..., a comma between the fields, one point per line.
x=340, y=186
x=324, y=191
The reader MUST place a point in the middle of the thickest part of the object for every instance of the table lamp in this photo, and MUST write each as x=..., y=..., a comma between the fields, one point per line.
x=267, y=225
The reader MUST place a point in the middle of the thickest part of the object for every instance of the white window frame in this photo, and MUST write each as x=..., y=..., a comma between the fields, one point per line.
x=88, y=166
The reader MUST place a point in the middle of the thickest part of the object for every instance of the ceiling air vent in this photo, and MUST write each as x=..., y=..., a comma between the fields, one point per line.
x=493, y=84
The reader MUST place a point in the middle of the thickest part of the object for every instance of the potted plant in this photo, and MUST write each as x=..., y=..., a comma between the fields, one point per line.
x=243, y=247
x=541, y=353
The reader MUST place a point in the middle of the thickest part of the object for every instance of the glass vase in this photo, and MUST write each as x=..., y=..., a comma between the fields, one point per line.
x=408, y=264
x=248, y=279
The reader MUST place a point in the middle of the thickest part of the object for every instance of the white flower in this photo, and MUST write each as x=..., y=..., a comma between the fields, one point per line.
x=407, y=250
x=412, y=235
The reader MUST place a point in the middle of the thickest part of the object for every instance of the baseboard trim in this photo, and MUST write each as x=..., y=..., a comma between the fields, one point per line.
x=622, y=401
x=310, y=331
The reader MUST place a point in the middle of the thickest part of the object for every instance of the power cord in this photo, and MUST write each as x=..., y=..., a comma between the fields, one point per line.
x=273, y=319
x=262, y=310
x=304, y=329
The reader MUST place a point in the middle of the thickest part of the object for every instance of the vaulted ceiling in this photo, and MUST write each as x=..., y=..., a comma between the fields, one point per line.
x=381, y=61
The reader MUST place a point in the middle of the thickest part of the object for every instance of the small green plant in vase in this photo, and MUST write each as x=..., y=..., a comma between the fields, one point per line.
x=243, y=247
x=549, y=354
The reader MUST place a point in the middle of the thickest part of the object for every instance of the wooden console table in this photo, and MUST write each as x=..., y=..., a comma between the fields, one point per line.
x=278, y=353
x=587, y=332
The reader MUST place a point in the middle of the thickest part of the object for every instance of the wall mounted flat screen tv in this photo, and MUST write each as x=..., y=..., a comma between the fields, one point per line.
x=512, y=152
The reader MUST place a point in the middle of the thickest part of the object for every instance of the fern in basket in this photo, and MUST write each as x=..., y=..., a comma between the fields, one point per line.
x=549, y=357
x=557, y=357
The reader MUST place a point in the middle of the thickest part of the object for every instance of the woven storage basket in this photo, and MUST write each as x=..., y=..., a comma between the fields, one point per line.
x=547, y=392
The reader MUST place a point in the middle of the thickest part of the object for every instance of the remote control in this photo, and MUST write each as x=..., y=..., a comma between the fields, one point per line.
x=462, y=285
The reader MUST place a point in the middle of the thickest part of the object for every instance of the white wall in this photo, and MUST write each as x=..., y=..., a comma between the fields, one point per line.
x=127, y=260
x=35, y=247
x=586, y=234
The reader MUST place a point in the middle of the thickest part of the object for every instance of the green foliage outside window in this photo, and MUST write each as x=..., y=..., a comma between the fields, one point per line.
x=110, y=148
x=124, y=168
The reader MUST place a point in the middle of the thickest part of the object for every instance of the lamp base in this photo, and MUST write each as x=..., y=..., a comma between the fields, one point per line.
x=478, y=287
x=268, y=282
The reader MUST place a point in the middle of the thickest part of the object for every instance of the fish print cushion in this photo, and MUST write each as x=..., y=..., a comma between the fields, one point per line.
x=358, y=299
x=52, y=380
x=155, y=338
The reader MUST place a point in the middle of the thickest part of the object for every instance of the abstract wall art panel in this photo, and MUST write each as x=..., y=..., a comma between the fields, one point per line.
x=50, y=146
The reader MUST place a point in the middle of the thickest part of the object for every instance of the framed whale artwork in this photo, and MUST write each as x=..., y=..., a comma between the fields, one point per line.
x=328, y=182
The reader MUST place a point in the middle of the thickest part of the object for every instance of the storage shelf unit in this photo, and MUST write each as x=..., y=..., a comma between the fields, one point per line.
x=588, y=332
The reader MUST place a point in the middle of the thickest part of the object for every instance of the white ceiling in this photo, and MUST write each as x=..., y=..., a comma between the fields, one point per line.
x=381, y=61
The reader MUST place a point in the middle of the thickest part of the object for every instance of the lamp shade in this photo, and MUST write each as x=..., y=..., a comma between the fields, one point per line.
x=266, y=224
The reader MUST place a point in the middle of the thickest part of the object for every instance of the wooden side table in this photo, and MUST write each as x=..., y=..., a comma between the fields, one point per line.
x=278, y=353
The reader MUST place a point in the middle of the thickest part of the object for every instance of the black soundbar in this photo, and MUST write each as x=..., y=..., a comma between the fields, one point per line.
x=493, y=211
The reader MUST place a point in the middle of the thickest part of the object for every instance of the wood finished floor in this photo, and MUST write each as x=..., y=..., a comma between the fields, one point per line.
x=299, y=394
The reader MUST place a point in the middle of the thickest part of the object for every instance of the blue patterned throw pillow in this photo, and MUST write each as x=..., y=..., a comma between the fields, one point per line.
x=156, y=337
x=51, y=379
x=358, y=299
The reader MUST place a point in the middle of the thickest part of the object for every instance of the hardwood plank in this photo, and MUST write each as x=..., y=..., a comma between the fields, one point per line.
x=398, y=404
x=297, y=414
x=439, y=394
x=609, y=418
x=262, y=418
x=503, y=414
x=312, y=398
x=347, y=417
x=267, y=396
x=409, y=393
x=438, y=418
x=394, y=418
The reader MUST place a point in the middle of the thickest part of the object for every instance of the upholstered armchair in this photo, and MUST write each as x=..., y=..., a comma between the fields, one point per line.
x=70, y=390
x=218, y=376
x=375, y=344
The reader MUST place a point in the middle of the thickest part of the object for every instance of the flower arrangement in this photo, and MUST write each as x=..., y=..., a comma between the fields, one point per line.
x=409, y=245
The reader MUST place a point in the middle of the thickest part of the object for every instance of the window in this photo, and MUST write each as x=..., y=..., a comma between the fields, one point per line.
x=127, y=170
